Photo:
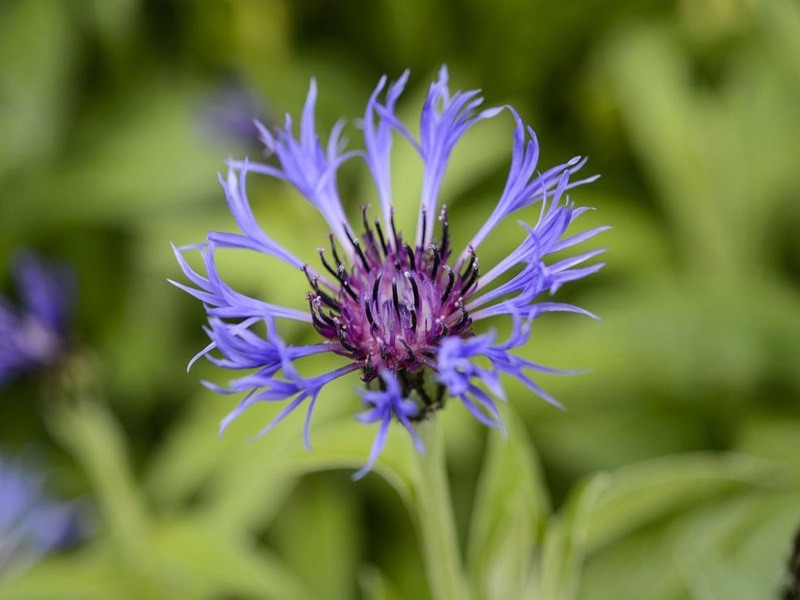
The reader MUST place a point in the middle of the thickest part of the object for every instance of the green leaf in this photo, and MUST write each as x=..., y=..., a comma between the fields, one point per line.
x=92, y=435
x=37, y=47
x=345, y=444
x=189, y=454
x=374, y=585
x=242, y=481
x=770, y=435
x=511, y=503
x=737, y=549
x=195, y=557
x=641, y=493
x=133, y=160
x=88, y=575
x=322, y=509
x=565, y=544
x=642, y=560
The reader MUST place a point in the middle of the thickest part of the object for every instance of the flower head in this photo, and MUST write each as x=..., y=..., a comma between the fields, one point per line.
x=31, y=522
x=403, y=311
x=34, y=331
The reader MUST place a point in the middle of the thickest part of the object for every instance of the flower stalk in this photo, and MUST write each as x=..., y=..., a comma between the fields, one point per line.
x=436, y=521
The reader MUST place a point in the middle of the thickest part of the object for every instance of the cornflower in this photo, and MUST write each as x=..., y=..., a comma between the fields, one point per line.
x=402, y=311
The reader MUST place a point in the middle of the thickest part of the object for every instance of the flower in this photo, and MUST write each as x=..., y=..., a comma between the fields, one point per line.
x=401, y=311
x=31, y=522
x=229, y=111
x=33, y=335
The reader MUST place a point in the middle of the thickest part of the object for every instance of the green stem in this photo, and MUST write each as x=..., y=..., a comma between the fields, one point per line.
x=435, y=517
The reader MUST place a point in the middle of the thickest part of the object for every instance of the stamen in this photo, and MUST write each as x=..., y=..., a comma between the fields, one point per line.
x=394, y=229
x=437, y=259
x=464, y=317
x=424, y=225
x=382, y=350
x=445, y=230
x=408, y=349
x=361, y=254
x=451, y=279
x=413, y=314
x=369, y=316
x=310, y=297
x=333, y=249
x=440, y=322
x=367, y=229
x=380, y=237
x=394, y=296
x=471, y=261
x=314, y=281
x=316, y=314
x=326, y=318
x=473, y=278
x=375, y=287
x=345, y=283
x=357, y=247
x=342, y=340
x=414, y=288
x=328, y=301
x=325, y=262
x=410, y=254
x=368, y=367
x=318, y=325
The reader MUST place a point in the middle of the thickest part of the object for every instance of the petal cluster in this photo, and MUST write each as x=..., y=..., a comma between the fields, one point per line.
x=405, y=313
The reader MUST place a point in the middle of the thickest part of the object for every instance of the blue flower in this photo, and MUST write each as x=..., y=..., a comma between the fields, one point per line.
x=229, y=111
x=34, y=331
x=404, y=312
x=31, y=522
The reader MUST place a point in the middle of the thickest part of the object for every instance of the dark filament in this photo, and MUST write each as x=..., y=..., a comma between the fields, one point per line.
x=451, y=277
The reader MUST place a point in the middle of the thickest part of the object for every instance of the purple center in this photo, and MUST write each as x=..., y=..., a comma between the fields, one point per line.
x=394, y=304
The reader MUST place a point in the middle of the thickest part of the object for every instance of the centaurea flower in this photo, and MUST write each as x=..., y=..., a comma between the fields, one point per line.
x=34, y=331
x=403, y=312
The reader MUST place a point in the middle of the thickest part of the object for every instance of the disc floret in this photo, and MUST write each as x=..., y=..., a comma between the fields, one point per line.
x=394, y=304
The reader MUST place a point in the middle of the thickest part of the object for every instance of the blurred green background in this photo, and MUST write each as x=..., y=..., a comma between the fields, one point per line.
x=115, y=117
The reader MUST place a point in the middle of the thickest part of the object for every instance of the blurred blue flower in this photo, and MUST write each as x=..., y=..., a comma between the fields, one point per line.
x=230, y=111
x=34, y=331
x=31, y=522
x=402, y=312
